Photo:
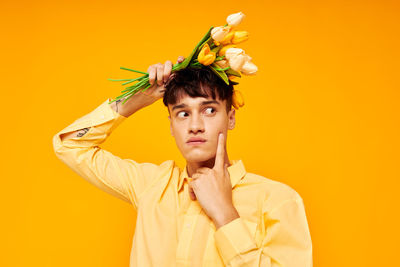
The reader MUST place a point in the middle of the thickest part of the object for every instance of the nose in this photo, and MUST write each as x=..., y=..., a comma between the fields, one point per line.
x=196, y=123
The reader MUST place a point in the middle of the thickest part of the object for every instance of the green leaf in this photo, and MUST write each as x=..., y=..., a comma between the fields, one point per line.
x=233, y=72
x=216, y=49
x=195, y=51
x=215, y=68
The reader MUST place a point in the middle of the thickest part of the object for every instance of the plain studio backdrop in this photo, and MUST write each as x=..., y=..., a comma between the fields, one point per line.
x=321, y=116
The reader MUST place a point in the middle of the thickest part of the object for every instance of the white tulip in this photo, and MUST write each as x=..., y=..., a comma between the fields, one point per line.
x=249, y=68
x=233, y=51
x=219, y=33
x=237, y=61
x=222, y=63
x=240, y=61
x=248, y=58
x=235, y=19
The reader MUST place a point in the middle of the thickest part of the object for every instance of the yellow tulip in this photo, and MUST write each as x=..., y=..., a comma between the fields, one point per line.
x=224, y=48
x=237, y=99
x=239, y=37
x=227, y=39
x=206, y=56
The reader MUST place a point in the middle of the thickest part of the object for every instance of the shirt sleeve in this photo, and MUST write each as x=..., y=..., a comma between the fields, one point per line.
x=286, y=240
x=125, y=179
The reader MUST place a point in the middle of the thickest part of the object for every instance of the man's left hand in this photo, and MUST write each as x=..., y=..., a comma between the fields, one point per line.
x=213, y=188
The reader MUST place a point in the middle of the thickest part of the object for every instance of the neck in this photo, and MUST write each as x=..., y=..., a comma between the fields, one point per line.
x=193, y=166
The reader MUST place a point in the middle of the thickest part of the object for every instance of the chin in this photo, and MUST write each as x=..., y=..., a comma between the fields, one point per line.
x=197, y=157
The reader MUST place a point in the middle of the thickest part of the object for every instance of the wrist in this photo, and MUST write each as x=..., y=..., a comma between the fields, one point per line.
x=132, y=105
x=225, y=217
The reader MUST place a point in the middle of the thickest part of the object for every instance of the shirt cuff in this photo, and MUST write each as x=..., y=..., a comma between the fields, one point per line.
x=233, y=239
x=102, y=114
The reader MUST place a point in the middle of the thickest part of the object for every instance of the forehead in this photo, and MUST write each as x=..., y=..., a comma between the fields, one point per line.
x=186, y=101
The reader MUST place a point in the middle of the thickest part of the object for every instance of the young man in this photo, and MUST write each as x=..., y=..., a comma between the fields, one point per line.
x=211, y=213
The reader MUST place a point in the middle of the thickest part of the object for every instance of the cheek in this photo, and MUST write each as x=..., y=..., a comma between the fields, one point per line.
x=178, y=132
x=216, y=125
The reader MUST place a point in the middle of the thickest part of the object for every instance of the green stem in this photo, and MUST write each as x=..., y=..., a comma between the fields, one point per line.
x=117, y=80
x=134, y=70
x=126, y=99
x=144, y=89
x=123, y=95
x=138, y=84
x=223, y=69
x=196, y=64
x=132, y=80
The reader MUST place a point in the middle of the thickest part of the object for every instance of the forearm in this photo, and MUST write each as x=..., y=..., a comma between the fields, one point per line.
x=77, y=133
x=132, y=105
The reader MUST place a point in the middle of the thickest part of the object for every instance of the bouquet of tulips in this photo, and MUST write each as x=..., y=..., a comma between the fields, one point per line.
x=217, y=50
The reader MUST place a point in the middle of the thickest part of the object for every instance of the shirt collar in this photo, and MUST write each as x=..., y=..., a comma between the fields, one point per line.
x=236, y=172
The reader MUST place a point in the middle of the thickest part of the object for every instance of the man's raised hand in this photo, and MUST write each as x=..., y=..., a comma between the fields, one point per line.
x=158, y=76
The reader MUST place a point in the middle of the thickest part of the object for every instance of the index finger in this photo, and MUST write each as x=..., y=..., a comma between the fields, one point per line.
x=220, y=156
x=167, y=70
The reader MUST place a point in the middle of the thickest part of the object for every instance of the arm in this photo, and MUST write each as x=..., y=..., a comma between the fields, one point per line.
x=78, y=144
x=157, y=73
x=285, y=242
x=125, y=110
x=79, y=150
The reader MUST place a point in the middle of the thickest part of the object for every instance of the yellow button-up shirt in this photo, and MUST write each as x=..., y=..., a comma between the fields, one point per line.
x=173, y=230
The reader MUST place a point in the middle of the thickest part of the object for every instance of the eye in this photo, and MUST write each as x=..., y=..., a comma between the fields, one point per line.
x=181, y=114
x=210, y=108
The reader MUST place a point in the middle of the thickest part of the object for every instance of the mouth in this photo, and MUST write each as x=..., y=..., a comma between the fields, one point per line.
x=195, y=143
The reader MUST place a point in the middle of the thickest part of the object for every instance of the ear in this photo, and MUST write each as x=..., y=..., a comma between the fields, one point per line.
x=170, y=125
x=232, y=119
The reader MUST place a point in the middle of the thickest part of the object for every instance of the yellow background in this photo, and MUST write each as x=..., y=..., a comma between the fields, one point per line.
x=321, y=115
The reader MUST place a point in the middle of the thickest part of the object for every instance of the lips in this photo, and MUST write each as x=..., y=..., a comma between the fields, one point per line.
x=196, y=141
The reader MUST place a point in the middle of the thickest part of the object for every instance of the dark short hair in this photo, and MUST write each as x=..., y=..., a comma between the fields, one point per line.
x=197, y=82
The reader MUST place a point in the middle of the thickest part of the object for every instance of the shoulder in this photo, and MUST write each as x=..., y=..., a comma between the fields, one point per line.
x=150, y=168
x=166, y=167
x=168, y=164
x=274, y=191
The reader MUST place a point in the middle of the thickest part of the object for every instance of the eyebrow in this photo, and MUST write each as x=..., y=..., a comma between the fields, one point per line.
x=201, y=104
